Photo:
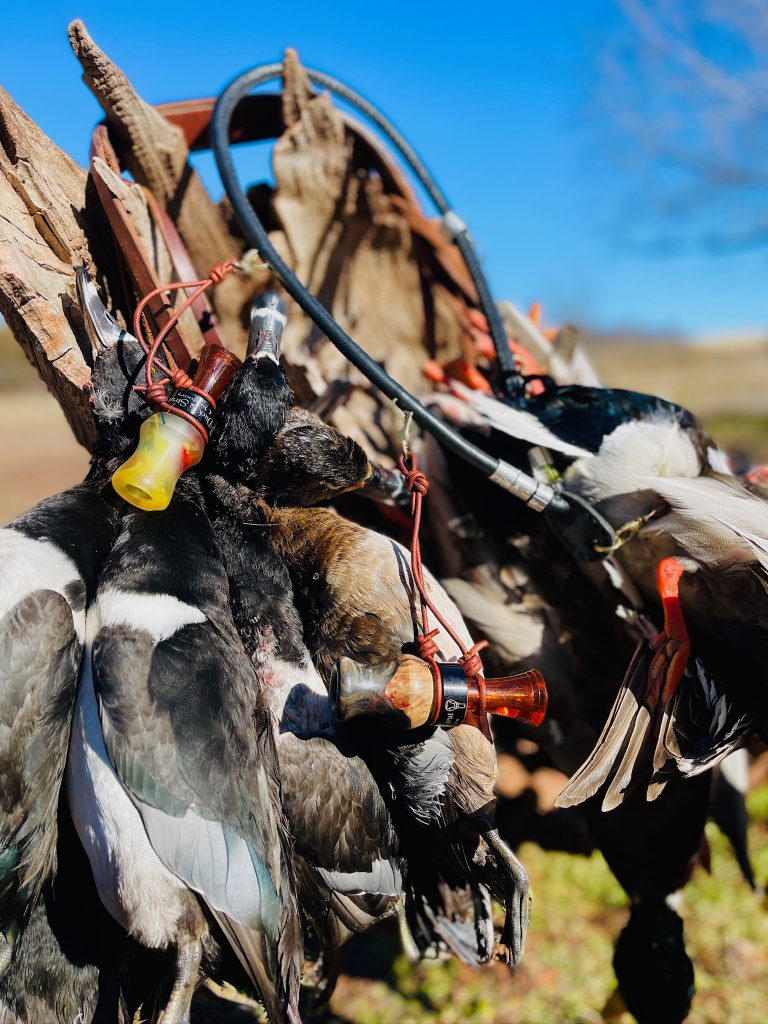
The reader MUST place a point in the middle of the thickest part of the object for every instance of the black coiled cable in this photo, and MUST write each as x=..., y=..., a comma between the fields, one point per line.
x=259, y=240
x=576, y=523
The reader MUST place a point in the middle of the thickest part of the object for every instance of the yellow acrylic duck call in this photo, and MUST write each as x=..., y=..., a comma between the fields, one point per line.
x=174, y=439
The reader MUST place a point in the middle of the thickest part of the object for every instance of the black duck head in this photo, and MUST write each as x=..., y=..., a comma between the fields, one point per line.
x=309, y=461
x=653, y=969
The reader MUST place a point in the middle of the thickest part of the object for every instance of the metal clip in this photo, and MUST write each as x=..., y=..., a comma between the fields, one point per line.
x=630, y=530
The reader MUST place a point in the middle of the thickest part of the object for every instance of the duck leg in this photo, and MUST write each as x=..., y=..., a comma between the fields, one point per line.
x=517, y=900
x=188, y=958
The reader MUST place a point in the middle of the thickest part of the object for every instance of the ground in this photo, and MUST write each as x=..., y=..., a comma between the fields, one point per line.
x=566, y=977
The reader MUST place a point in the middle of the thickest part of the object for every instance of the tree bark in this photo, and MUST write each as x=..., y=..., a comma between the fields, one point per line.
x=42, y=239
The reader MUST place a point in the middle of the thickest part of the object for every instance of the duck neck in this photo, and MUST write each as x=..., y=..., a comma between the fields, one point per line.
x=260, y=587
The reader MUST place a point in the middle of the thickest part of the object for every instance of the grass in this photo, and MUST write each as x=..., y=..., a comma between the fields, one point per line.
x=566, y=977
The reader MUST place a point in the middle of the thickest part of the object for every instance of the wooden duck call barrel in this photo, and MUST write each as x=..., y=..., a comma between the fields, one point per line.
x=404, y=693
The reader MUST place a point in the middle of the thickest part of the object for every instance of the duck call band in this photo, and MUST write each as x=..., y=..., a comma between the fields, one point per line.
x=451, y=697
x=197, y=406
x=257, y=237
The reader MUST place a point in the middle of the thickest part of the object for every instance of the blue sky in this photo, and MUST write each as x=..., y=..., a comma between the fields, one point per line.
x=497, y=97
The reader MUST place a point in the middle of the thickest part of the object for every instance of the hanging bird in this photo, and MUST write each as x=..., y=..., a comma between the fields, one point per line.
x=352, y=589
x=172, y=778
x=308, y=461
x=651, y=470
x=349, y=858
x=49, y=574
x=657, y=722
x=447, y=777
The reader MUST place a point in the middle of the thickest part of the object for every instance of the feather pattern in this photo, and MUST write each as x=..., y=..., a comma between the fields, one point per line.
x=517, y=423
x=48, y=574
x=189, y=736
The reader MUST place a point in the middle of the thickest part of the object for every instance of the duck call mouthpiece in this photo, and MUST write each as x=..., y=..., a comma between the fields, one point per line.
x=268, y=322
x=173, y=440
x=404, y=693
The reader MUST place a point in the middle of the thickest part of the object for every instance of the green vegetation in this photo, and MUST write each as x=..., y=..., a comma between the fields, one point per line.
x=566, y=977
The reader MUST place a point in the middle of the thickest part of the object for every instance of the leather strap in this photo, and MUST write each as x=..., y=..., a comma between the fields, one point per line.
x=142, y=275
x=201, y=306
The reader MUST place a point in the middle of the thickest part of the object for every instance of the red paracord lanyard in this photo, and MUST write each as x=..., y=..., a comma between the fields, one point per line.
x=155, y=390
x=470, y=660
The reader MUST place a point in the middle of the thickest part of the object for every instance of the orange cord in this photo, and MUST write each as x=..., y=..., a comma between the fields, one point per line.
x=470, y=660
x=155, y=390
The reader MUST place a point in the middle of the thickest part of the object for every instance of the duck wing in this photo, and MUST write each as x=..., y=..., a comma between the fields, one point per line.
x=190, y=739
x=518, y=423
x=644, y=743
x=721, y=522
x=702, y=724
x=50, y=556
x=626, y=743
x=343, y=830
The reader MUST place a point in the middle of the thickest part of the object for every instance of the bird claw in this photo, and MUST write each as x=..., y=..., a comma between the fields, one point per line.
x=511, y=946
x=516, y=920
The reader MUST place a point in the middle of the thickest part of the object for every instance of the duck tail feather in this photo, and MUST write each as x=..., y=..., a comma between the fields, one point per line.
x=618, y=743
x=621, y=778
x=452, y=917
x=251, y=945
x=704, y=725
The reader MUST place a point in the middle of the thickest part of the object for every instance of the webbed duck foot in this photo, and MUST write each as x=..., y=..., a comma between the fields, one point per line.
x=177, y=1009
x=511, y=945
x=6, y=954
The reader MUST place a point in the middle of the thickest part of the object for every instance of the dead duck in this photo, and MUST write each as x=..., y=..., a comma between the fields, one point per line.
x=172, y=778
x=350, y=862
x=445, y=776
x=49, y=573
x=536, y=606
x=352, y=589
x=650, y=469
x=163, y=820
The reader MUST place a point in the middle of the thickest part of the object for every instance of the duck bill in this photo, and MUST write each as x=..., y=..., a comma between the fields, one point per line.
x=385, y=485
x=265, y=333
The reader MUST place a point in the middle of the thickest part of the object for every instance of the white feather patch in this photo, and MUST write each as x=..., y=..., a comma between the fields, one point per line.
x=211, y=858
x=735, y=769
x=160, y=615
x=30, y=565
x=133, y=884
x=383, y=878
x=516, y=422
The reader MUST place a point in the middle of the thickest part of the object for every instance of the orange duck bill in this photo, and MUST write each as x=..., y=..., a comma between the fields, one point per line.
x=631, y=750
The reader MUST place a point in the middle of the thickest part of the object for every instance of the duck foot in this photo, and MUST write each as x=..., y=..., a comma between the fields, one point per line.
x=223, y=990
x=517, y=901
x=177, y=1009
x=6, y=954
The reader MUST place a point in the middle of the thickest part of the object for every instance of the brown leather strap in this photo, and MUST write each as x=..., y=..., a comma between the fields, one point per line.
x=142, y=275
x=182, y=264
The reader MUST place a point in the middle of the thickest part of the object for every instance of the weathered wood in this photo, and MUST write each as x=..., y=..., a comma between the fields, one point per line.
x=42, y=239
x=349, y=241
x=156, y=154
x=134, y=200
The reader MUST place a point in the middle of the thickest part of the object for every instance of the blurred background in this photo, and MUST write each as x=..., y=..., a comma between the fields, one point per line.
x=611, y=159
